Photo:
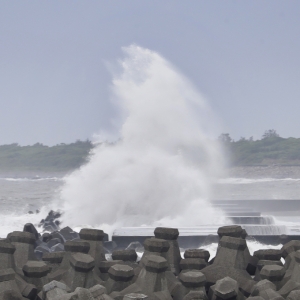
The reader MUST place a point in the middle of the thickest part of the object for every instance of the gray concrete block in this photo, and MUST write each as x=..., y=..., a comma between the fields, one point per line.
x=135, y=296
x=95, y=239
x=54, y=290
x=77, y=246
x=24, y=243
x=6, y=254
x=91, y=234
x=36, y=273
x=98, y=290
x=197, y=253
x=232, y=231
x=121, y=272
x=104, y=267
x=120, y=277
x=80, y=272
x=156, y=245
x=290, y=247
x=195, y=295
x=125, y=255
x=261, y=286
x=294, y=295
x=192, y=279
x=268, y=254
x=226, y=288
x=155, y=264
x=192, y=264
x=272, y=273
x=166, y=233
x=173, y=254
x=82, y=262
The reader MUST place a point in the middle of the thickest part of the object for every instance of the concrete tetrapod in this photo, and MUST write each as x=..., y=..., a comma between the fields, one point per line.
x=8, y=285
x=154, y=246
x=173, y=254
x=6, y=255
x=24, y=243
x=79, y=275
x=35, y=272
x=226, y=288
x=71, y=247
x=272, y=273
x=197, y=253
x=120, y=277
x=95, y=239
x=230, y=261
x=152, y=279
x=190, y=281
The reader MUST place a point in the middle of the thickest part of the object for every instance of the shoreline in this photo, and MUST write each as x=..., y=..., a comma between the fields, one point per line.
x=271, y=171
x=255, y=172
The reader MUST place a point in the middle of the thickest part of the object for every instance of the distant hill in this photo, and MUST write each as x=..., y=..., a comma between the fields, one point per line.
x=38, y=157
x=270, y=149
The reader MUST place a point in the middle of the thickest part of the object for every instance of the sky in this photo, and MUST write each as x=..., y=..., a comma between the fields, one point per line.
x=55, y=60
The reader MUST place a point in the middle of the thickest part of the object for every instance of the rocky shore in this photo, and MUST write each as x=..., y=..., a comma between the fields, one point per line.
x=65, y=265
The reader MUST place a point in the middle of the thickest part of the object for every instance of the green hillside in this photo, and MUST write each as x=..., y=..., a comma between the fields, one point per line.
x=270, y=149
x=38, y=157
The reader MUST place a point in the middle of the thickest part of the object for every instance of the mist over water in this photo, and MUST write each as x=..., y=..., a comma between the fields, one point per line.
x=160, y=170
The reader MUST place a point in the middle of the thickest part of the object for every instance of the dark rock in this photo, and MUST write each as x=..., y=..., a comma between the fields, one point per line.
x=57, y=248
x=137, y=246
x=110, y=245
x=53, y=242
x=30, y=228
x=46, y=237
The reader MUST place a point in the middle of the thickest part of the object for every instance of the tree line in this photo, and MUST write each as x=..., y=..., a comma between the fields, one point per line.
x=270, y=149
x=39, y=157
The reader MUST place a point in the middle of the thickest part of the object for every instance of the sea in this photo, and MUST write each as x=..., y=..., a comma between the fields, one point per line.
x=27, y=198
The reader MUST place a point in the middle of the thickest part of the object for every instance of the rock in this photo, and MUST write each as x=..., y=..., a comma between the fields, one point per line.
x=29, y=227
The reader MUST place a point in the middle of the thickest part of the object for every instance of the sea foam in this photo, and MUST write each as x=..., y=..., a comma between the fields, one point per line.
x=160, y=170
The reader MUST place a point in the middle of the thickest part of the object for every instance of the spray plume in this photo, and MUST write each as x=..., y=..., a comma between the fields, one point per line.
x=161, y=169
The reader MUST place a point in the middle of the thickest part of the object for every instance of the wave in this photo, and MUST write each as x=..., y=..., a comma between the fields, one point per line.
x=24, y=179
x=237, y=180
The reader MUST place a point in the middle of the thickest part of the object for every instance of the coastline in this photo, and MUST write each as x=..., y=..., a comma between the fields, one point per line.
x=268, y=171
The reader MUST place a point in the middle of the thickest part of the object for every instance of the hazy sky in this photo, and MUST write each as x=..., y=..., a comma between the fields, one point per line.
x=244, y=56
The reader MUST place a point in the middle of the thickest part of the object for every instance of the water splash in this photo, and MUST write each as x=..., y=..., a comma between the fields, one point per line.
x=159, y=172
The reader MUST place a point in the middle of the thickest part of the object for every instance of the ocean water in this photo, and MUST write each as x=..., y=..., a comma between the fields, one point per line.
x=162, y=172
x=19, y=195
